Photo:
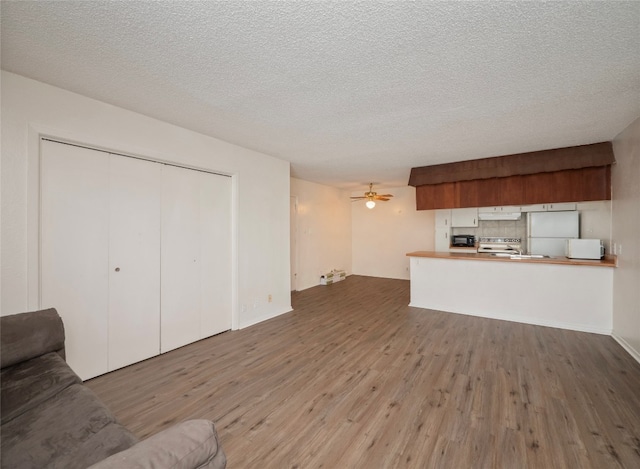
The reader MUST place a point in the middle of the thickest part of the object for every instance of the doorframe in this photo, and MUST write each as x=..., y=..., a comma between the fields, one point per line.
x=293, y=243
x=35, y=134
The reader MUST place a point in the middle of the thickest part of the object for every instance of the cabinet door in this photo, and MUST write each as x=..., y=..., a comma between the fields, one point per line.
x=134, y=260
x=74, y=251
x=534, y=208
x=442, y=230
x=510, y=208
x=561, y=207
x=501, y=209
x=443, y=242
x=464, y=217
x=443, y=218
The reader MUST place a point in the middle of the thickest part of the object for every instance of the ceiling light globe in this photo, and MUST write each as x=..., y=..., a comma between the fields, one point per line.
x=370, y=204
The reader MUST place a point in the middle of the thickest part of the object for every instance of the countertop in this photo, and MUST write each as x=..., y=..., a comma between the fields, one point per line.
x=608, y=261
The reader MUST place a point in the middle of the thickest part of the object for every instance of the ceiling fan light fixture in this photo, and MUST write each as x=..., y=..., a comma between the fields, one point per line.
x=371, y=197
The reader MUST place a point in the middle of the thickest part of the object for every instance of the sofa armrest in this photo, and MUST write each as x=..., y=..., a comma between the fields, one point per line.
x=28, y=335
x=187, y=445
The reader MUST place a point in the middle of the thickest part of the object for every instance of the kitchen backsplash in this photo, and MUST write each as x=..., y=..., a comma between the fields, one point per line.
x=498, y=229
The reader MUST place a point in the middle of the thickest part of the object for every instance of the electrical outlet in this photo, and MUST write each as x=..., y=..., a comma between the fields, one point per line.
x=243, y=308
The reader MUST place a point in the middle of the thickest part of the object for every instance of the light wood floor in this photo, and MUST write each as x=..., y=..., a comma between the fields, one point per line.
x=354, y=378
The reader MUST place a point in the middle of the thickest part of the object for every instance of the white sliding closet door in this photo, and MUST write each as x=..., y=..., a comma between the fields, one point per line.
x=74, y=253
x=135, y=255
x=215, y=242
x=180, y=264
x=196, y=258
x=134, y=260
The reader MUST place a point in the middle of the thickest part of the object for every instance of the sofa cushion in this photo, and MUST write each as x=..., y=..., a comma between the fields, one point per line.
x=73, y=429
x=29, y=335
x=187, y=445
x=28, y=384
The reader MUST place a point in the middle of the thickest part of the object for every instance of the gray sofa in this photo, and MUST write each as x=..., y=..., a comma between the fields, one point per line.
x=50, y=419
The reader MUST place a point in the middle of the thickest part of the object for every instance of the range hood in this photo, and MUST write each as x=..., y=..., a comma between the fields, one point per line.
x=499, y=215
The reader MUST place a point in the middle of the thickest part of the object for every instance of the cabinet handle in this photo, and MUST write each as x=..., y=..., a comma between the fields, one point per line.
x=474, y=222
x=117, y=269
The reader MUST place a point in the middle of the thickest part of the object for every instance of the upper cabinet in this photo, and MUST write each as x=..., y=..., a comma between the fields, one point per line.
x=464, y=217
x=561, y=207
x=502, y=209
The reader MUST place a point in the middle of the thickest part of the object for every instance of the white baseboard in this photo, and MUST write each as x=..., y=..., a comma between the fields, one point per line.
x=257, y=320
x=625, y=345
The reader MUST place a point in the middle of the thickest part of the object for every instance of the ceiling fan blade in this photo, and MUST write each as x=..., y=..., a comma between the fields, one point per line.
x=370, y=195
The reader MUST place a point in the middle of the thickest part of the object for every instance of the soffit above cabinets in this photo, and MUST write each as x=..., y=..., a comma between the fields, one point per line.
x=560, y=159
x=571, y=185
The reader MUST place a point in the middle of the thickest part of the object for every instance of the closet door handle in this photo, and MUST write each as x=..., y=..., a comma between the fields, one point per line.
x=117, y=269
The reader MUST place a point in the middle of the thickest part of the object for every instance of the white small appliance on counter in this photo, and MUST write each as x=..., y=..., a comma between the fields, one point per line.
x=584, y=249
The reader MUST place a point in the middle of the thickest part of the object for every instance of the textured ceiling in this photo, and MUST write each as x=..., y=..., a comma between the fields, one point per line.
x=347, y=92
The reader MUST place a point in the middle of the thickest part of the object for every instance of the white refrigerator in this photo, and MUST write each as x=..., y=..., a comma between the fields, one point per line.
x=547, y=232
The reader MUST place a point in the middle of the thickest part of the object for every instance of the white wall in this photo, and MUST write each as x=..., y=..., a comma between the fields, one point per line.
x=323, y=231
x=382, y=236
x=261, y=189
x=595, y=221
x=625, y=182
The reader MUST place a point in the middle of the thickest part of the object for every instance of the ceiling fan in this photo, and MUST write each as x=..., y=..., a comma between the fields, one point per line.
x=371, y=197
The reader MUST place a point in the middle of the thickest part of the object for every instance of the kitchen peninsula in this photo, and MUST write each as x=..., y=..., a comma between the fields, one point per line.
x=556, y=291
